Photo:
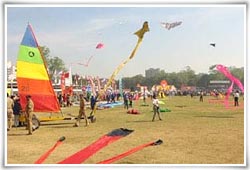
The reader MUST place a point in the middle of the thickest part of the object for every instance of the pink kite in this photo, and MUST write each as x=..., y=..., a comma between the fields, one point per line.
x=99, y=46
x=229, y=91
x=226, y=73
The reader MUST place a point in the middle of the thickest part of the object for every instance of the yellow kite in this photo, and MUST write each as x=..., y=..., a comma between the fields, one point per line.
x=140, y=33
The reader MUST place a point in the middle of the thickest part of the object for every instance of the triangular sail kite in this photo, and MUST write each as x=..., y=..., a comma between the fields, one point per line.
x=32, y=76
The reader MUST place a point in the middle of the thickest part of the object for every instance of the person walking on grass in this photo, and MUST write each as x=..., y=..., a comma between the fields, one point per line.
x=236, y=98
x=156, y=108
x=201, y=96
x=81, y=112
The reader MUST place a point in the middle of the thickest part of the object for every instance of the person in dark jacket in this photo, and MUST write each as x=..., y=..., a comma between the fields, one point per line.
x=17, y=111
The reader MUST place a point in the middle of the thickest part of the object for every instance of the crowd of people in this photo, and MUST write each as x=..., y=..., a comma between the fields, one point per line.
x=21, y=116
x=18, y=116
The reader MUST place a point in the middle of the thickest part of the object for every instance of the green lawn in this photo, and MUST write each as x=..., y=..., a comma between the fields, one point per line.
x=192, y=133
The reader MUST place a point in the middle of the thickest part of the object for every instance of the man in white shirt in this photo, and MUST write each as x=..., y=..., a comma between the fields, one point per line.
x=156, y=108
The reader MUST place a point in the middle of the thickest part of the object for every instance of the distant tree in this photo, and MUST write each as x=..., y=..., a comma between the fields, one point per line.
x=54, y=64
x=238, y=73
x=46, y=52
x=202, y=80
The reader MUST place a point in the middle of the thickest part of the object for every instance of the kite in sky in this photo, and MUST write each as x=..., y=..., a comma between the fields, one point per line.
x=227, y=74
x=170, y=25
x=99, y=46
x=212, y=44
x=140, y=33
x=87, y=63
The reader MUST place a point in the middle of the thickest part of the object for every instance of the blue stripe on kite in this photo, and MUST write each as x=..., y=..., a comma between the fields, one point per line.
x=28, y=38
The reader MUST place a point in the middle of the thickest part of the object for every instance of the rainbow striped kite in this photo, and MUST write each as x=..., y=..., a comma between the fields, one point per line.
x=32, y=76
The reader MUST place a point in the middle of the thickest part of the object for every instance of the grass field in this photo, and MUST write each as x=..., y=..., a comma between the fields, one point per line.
x=192, y=133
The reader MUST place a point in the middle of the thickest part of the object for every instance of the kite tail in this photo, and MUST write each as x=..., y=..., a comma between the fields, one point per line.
x=85, y=153
x=227, y=74
x=46, y=154
x=92, y=85
x=117, y=70
x=229, y=91
x=98, y=83
x=115, y=158
x=238, y=83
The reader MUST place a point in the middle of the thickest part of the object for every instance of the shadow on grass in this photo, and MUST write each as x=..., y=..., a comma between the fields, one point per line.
x=140, y=121
x=216, y=116
x=25, y=134
x=62, y=127
x=58, y=125
x=181, y=106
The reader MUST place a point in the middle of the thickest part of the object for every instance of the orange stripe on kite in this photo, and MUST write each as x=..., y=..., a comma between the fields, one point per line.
x=42, y=94
x=33, y=86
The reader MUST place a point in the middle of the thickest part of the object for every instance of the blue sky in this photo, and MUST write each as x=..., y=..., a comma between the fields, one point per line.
x=72, y=33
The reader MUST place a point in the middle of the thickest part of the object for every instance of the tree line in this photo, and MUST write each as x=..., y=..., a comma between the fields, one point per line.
x=186, y=77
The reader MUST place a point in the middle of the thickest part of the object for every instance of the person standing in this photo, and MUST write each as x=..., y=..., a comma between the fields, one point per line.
x=156, y=108
x=130, y=100
x=81, y=112
x=17, y=111
x=236, y=98
x=93, y=106
x=125, y=98
x=29, y=113
x=201, y=96
x=10, y=105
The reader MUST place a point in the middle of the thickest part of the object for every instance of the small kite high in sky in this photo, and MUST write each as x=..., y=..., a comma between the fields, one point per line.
x=140, y=33
x=99, y=46
x=170, y=25
x=212, y=44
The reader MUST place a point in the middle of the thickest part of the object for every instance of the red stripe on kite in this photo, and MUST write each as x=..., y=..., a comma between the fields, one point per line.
x=46, y=154
x=115, y=158
x=85, y=153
